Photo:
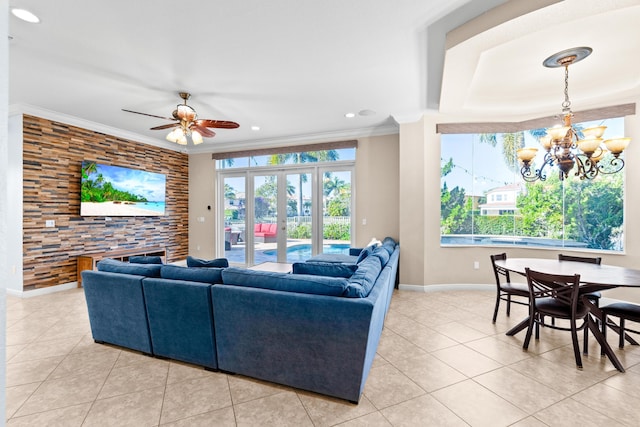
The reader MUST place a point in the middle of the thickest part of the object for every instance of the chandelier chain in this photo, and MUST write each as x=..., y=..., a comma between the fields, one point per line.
x=566, y=105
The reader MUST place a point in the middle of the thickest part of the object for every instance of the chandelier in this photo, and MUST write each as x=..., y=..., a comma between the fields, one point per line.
x=563, y=145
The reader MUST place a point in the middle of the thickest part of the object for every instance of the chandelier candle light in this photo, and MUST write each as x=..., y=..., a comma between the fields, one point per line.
x=562, y=143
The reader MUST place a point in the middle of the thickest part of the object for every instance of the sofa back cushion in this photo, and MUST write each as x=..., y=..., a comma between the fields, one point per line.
x=197, y=262
x=364, y=254
x=382, y=254
x=389, y=244
x=210, y=275
x=363, y=280
x=331, y=269
x=301, y=283
x=115, y=266
x=145, y=259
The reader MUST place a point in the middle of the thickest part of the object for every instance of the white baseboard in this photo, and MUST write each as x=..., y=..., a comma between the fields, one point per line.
x=447, y=287
x=42, y=291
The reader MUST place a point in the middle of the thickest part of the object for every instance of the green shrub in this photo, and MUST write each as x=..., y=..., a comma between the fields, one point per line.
x=337, y=231
x=299, y=231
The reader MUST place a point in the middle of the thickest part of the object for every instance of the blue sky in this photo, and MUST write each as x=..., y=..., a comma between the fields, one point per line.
x=480, y=167
x=150, y=185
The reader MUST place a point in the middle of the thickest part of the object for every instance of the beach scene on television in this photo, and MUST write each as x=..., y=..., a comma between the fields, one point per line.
x=119, y=191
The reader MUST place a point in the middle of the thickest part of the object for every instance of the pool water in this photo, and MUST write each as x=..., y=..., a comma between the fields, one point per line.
x=303, y=252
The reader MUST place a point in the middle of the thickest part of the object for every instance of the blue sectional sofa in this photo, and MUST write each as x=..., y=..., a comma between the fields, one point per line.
x=161, y=310
x=316, y=329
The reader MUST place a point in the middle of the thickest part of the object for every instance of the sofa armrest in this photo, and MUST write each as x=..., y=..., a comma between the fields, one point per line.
x=116, y=306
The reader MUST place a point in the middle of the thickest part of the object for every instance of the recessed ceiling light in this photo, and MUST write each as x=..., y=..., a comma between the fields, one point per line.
x=255, y=128
x=350, y=115
x=25, y=15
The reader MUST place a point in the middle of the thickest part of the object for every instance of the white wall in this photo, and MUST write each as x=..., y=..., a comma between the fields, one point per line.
x=14, y=202
x=4, y=197
x=202, y=230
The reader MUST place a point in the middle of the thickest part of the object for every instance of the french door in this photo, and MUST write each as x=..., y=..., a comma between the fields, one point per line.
x=286, y=215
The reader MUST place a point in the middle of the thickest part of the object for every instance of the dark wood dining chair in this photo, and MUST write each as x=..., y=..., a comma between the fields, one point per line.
x=624, y=311
x=556, y=296
x=594, y=297
x=505, y=289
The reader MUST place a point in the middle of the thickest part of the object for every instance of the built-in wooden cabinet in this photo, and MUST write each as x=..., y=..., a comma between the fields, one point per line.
x=89, y=261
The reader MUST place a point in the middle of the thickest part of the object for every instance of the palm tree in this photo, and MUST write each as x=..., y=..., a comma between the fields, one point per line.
x=229, y=192
x=88, y=168
x=511, y=142
x=333, y=184
x=303, y=157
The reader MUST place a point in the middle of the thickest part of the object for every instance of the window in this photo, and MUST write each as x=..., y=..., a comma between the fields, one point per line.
x=485, y=201
x=295, y=158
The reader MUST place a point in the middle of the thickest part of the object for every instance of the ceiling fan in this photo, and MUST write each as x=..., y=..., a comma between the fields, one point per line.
x=186, y=124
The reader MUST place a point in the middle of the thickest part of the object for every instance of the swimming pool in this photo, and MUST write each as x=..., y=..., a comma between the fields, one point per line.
x=303, y=252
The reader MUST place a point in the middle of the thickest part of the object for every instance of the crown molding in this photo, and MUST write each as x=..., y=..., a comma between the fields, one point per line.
x=31, y=110
x=296, y=140
x=18, y=109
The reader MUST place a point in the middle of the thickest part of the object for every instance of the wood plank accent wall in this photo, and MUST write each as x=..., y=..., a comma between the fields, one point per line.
x=52, y=156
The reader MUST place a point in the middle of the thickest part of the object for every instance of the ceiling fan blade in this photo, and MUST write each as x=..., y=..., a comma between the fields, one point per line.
x=150, y=115
x=220, y=124
x=170, y=125
x=203, y=131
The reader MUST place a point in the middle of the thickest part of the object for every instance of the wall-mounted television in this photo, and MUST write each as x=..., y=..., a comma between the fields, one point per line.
x=107, y=190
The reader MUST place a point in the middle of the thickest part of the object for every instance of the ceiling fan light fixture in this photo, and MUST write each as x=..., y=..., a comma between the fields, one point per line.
x=185, y=112
x=182, y=139
x=186, y=125
x=196, y=137
x=174, y=135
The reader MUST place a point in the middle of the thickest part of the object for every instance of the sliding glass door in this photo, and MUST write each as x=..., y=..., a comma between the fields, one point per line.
x=234, y=224
x=286, y=215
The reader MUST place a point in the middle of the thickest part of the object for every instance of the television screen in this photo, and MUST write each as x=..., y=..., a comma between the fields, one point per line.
x=118, y=191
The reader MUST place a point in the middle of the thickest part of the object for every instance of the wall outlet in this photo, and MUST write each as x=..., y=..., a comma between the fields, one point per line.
x=49, y=223
x=200, y=219
x=476, y=265
x=198, y=248
x=364, y=221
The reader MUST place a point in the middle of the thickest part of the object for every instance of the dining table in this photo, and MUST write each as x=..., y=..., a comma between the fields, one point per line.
x=593, y=277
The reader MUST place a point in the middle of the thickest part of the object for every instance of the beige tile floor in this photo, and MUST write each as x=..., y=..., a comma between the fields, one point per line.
x=440, y=362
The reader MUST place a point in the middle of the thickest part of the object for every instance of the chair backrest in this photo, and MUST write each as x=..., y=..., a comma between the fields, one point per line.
x=499, y=271
x=590, y=260
x=564, y=288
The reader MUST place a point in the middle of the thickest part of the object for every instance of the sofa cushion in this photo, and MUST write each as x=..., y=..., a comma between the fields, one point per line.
x=389, y=240
x=381, y=253
x=205, y=274
x=115, y=266
x=144, y=259
x=389, y=244
x=332, y=269
x=362, y=281
x=339, y=258
x=301, y=283
x=364, y=254
x=197, y=262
